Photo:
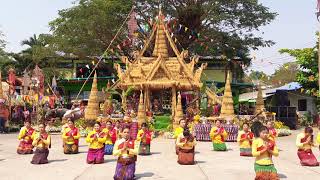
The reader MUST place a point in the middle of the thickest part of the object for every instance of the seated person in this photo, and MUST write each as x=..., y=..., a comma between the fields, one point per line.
x=186, y=144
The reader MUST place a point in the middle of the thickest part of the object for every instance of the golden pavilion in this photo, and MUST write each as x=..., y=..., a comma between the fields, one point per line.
x=162, y=71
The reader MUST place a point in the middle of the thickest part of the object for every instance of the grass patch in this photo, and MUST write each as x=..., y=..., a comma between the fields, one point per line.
x=162, y=122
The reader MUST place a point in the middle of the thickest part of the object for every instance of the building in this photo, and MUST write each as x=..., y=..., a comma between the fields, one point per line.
x=286, y=101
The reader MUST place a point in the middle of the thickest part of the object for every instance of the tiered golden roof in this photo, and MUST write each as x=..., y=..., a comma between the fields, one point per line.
x=259, y=101
x=141, y=111
x=161, y=70
x=93, y=110
x=227, y=110
x=1, y=90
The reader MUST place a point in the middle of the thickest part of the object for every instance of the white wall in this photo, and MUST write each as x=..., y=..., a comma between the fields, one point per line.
x=295, y=96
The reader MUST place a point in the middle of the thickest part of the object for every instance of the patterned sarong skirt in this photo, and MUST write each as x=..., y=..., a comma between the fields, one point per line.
x=144, y=149
x=70, y=149
x=265, y=172
x=108, y=149
x=95, y=156
x=307, y=158
x=186, y=156
x=125, y=169
x=25, y=148
x=219, y=146
x=40, y=156
x=245, y=151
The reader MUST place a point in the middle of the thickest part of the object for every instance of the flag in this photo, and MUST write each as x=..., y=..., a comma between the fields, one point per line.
x=132, y=24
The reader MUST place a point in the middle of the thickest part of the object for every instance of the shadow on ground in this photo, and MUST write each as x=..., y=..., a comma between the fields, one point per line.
x=282, y=176
x=57, y=160
x=109, y=160
x=200, y=162
x=146, y=174
x=155, y=153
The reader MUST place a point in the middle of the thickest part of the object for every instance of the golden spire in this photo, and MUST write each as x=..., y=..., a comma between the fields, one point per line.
x=179, y=111
x=1, y=90
x=141, y=111
x=259, y=101
x=160, y=46
x=92, y=110
x=227, y=101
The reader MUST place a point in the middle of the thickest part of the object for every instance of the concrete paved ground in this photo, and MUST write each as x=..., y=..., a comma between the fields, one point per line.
x=160, y=165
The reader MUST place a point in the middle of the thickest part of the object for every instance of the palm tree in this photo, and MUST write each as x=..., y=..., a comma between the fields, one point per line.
x=38, y=48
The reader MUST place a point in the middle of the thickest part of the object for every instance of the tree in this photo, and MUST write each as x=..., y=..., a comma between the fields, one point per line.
x=257, y=76
x=4, y=58
x=307, y=76
x=285, y=74
x=87, y=28
x=225, y=27
x=213, y=27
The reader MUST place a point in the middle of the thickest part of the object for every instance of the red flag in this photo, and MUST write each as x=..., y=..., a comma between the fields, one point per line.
x=132, y=24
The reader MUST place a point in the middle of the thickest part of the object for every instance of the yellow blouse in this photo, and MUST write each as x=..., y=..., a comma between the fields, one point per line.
x=139, y=136
x=177, y=132
x=128, y=153
x=318, y=138
x=300, y=145
x=68, y=139
x=22, y=133
x=219, y=138
x=185, y=145
x=243, y=142
x=97, y=143
x=264, y=158
x=108, y=137
x=42, y=143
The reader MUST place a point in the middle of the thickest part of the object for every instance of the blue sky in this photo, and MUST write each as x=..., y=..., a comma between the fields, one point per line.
x=294, y=27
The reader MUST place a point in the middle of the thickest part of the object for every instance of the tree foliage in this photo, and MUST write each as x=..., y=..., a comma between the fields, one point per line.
x=307, y=59
x=285, y=74
x=225, y=27
x=228, y=25
x=256, y=76
x=87, y=28
x=4, y=58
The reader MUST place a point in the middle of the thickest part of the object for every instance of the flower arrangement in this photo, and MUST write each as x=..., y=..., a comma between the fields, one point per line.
x=280, y=125
x=283, y=132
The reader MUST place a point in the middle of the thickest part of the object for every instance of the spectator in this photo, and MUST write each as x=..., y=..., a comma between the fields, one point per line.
x=4, y=115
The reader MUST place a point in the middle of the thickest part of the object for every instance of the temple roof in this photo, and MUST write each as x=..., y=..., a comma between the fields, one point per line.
x=160, y=71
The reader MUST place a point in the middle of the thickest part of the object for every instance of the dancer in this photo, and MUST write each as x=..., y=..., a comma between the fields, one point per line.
x=304, y=143
x=178, y=131
x=96, y=139
x=272, y=131
x=25, y=137
x=245, y=138
x=144, y=136
x=111, y=137
x=186, y=144
x=263, y=149
x=218, y=135
x=318, y=138
x=127, y=151
x=71, y=138
x=118, y=130
x=42, y=142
